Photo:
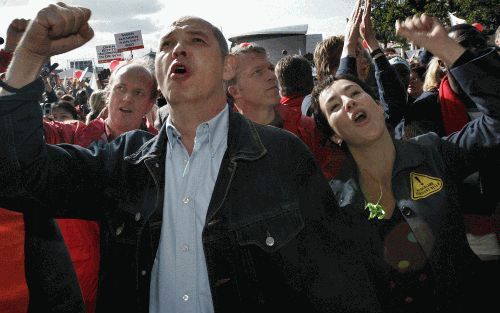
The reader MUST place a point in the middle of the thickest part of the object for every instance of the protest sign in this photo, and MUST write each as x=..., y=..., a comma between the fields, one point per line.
x=108, y=53
x=129, y=41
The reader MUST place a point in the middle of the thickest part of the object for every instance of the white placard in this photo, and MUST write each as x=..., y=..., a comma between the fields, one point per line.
x=108, y=53
x=129, y=41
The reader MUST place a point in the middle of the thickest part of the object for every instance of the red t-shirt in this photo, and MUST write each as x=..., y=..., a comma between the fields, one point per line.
x=330, y=157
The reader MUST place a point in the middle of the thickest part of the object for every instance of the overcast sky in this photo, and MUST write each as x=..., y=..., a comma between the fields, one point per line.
x=233, y=17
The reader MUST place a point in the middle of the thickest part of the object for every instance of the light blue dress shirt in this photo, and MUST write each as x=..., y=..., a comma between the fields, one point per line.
x=179, y=278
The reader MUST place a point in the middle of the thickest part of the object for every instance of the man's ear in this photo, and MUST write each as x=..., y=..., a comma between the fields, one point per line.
x=229, y=67
x=234, y=91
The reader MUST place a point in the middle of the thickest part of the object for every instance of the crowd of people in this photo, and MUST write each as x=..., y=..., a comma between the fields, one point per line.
x=216, y=181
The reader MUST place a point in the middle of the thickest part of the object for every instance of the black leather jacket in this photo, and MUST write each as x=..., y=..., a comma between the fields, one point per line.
x=273, y=238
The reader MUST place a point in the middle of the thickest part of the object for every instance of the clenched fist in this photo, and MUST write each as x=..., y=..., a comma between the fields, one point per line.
x=56, y=29
x=15, y=33
x=426, y=31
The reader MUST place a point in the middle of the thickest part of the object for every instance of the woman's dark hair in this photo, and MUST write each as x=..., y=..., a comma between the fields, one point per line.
x=66, y=106
x=319, y=118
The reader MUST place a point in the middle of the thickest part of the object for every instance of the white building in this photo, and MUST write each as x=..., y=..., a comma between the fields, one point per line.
x=292, y=39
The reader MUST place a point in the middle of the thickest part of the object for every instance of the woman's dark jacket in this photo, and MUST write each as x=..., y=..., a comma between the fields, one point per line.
x=432, y=209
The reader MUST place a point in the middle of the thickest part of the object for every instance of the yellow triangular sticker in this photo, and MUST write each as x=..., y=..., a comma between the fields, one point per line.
x=423, y=186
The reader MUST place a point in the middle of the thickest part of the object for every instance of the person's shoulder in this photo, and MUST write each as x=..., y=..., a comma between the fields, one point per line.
x=427, y=96
x=429, y=143
x=282, y=142
x=273, y=138
x=274, y=133
x=132, y=141
x=137, y=135
x=429, y=138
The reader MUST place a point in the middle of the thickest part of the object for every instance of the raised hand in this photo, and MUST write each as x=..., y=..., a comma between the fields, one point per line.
x=366, y=27
x=56, y=29
x=426, y=31
x=15, y=33
x=352, y=35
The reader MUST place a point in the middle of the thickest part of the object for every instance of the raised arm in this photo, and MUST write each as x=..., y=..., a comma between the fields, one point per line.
x=30, y=168
x=56, y=29
x=391, y=90
x=478, y=141
x=351, y=46
x=478, y=76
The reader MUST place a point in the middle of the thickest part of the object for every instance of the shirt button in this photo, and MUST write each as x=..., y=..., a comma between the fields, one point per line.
x=119, y=229
x=186, y=200
x=137, y=217
x=270, y=241
x=185, y=298
x=185, y=248
x=157, y=165
x=143, y=272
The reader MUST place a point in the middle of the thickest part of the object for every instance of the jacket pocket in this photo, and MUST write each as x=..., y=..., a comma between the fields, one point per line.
x=273, y=232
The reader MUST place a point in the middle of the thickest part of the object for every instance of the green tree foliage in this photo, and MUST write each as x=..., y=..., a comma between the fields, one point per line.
x=486, y=12
x=386, y=12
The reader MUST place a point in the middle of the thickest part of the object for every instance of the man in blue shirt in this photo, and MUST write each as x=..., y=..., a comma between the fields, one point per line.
x=214, y=214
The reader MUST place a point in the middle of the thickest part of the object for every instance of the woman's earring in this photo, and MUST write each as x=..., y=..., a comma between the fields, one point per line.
x=339, y=142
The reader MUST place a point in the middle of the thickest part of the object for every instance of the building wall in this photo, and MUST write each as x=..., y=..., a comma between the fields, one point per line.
x=311, y=42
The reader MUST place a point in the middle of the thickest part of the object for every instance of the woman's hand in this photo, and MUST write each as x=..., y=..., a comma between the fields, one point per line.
x=366, y=27
x=352, y=35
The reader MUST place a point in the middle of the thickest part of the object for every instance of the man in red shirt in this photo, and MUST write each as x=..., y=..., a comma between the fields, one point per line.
x=132, y=93
x=255, y=91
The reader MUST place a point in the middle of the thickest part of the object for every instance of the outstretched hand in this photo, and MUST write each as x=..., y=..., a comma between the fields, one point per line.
x=15, y=33
x=57, y=29
x=426, y=31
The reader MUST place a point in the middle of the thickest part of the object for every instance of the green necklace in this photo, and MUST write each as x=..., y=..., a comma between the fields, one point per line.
x=376, y=210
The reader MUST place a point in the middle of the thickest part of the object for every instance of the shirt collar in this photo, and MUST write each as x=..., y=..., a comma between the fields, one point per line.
x=217, y=130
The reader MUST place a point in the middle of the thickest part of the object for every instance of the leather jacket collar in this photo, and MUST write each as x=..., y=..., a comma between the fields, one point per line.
x=243, y=142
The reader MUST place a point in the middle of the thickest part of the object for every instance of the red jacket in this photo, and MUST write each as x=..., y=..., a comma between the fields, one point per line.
x=14, y=295
x=81, y=237
x=329, y=156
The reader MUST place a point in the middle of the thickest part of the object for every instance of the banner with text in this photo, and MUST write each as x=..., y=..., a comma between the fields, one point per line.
x=129, y=41
x=108, y=53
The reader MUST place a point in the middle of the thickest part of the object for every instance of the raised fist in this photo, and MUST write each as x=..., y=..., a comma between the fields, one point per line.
x=421, y=30
x=426, y=31
x=15, y=33
x=57, y=29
